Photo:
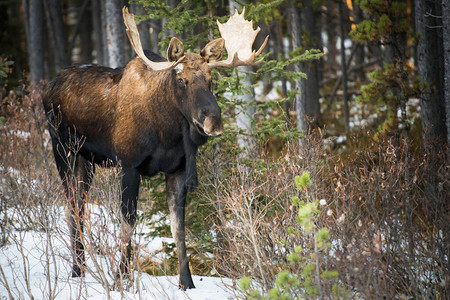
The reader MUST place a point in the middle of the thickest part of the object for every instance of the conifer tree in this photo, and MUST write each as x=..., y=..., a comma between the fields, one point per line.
x=387, y=24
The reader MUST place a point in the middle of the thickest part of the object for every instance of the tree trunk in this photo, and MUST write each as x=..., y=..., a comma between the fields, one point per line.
x=431, y=69
x=143, y=28
x=55, y=27
x=310, y=25
x=446, y=43
x=115, y=34
x=98, y=33
x=86, y=36
x=360, y=54
x=155, y=27
x=244, y=114
x=34, y=27
x=12, y=40
x=344, y=67
x=330, y=27
x=279, y=50
x=245, y=109
x=296, y=43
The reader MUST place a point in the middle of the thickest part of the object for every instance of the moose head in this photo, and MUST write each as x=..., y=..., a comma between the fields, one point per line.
x=193, y=71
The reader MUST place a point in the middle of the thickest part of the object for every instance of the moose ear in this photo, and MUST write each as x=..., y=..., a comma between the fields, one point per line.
x=213, y=50
x=175, y=50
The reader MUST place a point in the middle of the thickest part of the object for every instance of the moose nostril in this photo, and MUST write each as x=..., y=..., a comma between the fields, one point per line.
x=213, y=126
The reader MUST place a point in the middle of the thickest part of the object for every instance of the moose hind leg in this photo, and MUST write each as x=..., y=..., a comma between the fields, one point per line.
x=176, y=197
x=77, y=185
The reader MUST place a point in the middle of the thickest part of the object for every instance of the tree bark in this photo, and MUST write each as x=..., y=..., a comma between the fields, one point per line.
x=143, y=28
x=446, y=43
x=245, y=109
x=310, y=26
x=115, y=34
x=34, y=27
x=86, y=36
x=431, y=69
x=244, y=114
x=55, y=26
x=98, y=32
x=279, y=50
x=12, y=40
x=155, y=27
x=330, y=27
x=299, y=84
x=344, y=67
x=360, y=54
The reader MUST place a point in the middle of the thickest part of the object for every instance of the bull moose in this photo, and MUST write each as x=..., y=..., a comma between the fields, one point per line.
x=148, y=117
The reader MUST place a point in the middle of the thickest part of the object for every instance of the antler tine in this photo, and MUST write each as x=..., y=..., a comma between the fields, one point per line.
x=235, y=61
x=262, y=46
x=239, y=37
x=135, y=40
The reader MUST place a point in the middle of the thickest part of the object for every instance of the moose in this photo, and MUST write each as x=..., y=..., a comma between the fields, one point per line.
x=148, y=117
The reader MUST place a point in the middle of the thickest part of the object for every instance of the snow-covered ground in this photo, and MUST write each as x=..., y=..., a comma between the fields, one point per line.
x=35, y=264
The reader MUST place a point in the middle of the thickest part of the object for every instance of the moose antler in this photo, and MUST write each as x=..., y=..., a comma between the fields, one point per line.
x=135, y=40
x=239, y=37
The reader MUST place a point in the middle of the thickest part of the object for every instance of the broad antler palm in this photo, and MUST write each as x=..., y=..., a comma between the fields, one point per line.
x=239, y=37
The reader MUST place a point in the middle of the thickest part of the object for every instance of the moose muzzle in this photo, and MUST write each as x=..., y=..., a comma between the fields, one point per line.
x=209, y=120
x=213, y=126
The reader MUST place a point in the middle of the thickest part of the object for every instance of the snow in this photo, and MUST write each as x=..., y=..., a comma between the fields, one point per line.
x=21, y=134
x=36, y=263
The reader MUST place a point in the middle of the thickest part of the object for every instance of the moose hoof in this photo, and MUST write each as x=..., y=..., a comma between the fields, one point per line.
x=187, y=285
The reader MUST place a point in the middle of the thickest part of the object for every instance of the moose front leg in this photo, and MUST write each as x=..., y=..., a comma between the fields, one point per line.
x=191, y=172
x=190, y=150
x=130, y=190
x=176, y=197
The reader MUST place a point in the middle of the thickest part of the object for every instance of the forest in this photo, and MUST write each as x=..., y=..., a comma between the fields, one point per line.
x=330, y=180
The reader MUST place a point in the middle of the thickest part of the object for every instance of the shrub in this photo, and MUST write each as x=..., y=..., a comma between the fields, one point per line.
x=376, y=230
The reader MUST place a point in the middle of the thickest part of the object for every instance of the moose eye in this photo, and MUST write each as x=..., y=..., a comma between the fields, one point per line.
x=180, y=81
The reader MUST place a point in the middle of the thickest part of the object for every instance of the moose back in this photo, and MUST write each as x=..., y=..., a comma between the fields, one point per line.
x=148, y=117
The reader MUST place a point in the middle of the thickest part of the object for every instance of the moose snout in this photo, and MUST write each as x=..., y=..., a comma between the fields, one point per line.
x=208, y=118
x=213, y=126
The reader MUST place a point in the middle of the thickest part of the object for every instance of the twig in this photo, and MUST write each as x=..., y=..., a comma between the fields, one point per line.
x=4, y=282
